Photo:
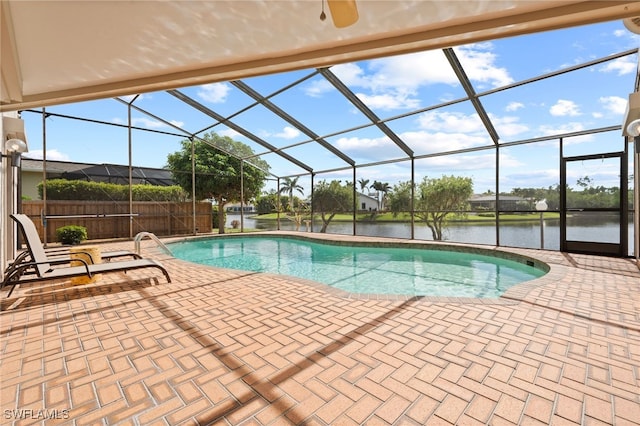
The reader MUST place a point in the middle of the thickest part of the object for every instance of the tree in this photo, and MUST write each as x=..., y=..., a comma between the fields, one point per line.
x=288, y=186
x=267, y=202
x=330, y=199
x=295, y=206
x=381, y=189
x=218, y=171
x=584, y=182
x=437, y=198
x=526, y=193
x=400, y=198
x=364, y=184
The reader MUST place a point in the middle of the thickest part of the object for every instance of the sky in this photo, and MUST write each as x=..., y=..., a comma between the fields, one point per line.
x=394, y=88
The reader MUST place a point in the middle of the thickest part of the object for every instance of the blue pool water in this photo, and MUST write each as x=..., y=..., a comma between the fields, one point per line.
x=363, y=269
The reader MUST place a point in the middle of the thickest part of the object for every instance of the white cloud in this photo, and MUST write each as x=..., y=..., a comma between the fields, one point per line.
x=507, y=160
x=350, y=74
x=288, y=133
x=468, y=162
x=614, y=104
x=215, y=92
x=514, y=106
x=469, y=126
x=450, y=122
x=622, y=66
x=389, y=101
x=407, y=73
x=52, y=154
x=147, y=122
x=565, y=128
x=564, y=108
x=423, y=142
x=542, y=178
x=508, y=125
x=419, y=69
x=317, y=88
x=368, y=148
x=570, y=127
x=479, y=64
x=229, y=132
x=392, y=83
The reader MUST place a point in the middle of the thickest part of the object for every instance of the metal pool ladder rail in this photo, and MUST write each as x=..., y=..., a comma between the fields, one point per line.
x=141, y=235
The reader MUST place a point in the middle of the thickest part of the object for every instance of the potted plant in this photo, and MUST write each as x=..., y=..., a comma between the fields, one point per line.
x=71, y=234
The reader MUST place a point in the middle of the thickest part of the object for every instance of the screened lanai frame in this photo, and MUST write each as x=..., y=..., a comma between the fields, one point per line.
x=382, y=124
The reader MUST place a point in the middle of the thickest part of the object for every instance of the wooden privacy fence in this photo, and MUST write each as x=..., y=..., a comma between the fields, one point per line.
x=110, y=219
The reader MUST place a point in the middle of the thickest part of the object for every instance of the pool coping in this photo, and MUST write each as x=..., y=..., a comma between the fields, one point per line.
x=513, y=295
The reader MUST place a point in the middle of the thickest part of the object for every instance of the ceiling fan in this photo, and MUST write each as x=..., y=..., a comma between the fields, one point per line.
x=343, y=12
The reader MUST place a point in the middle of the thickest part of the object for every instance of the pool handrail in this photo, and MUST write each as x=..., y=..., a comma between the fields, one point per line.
x=144, y=234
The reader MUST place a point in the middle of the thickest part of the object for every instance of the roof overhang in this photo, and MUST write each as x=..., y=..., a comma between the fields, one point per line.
x=56, y=52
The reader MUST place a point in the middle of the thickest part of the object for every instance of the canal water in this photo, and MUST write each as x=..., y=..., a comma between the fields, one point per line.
x=523, y=234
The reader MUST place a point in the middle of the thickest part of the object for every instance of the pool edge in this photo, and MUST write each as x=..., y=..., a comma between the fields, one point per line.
x=512, y=295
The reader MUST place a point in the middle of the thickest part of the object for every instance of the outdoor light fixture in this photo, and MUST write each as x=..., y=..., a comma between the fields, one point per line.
x=15, y=139
x=631, y=124
x=15, y=147
x=632, y=113
x=343, y=12
x=633, y=129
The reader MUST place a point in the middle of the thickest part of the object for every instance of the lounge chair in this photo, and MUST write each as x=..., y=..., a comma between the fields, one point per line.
x=32, y=238
x=59, y=254
x=38, y=266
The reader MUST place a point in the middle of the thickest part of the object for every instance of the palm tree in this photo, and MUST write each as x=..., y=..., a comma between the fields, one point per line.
x=383, y=188
x=288, y=186
x=364, y=183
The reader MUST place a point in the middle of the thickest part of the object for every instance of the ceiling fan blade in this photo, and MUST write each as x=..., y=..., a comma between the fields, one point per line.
x=343, y=12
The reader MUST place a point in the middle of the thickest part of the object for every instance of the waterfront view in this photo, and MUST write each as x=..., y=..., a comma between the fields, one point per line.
x=524, y=234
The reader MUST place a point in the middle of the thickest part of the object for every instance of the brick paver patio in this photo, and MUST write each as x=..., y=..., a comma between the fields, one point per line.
x=231, y=347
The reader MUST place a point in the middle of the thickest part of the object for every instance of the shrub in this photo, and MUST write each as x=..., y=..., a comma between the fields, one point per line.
x=71, y=234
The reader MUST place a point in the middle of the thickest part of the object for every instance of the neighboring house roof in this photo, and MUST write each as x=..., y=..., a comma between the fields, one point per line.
x=361, y=195
x=113, y=173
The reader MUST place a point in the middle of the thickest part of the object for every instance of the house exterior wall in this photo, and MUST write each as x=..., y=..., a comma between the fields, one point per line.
x=366, y=203
x=30, y=181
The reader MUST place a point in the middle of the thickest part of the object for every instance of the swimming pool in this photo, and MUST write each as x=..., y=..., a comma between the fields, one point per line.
x=365, y=269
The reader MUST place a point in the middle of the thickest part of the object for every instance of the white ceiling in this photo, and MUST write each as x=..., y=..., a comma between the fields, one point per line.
x=56, y=52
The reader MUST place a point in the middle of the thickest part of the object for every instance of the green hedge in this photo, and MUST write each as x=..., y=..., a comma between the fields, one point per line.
x=62, y=189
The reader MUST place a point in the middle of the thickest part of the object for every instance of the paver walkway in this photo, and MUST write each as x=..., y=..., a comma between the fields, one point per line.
x=231, y=347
